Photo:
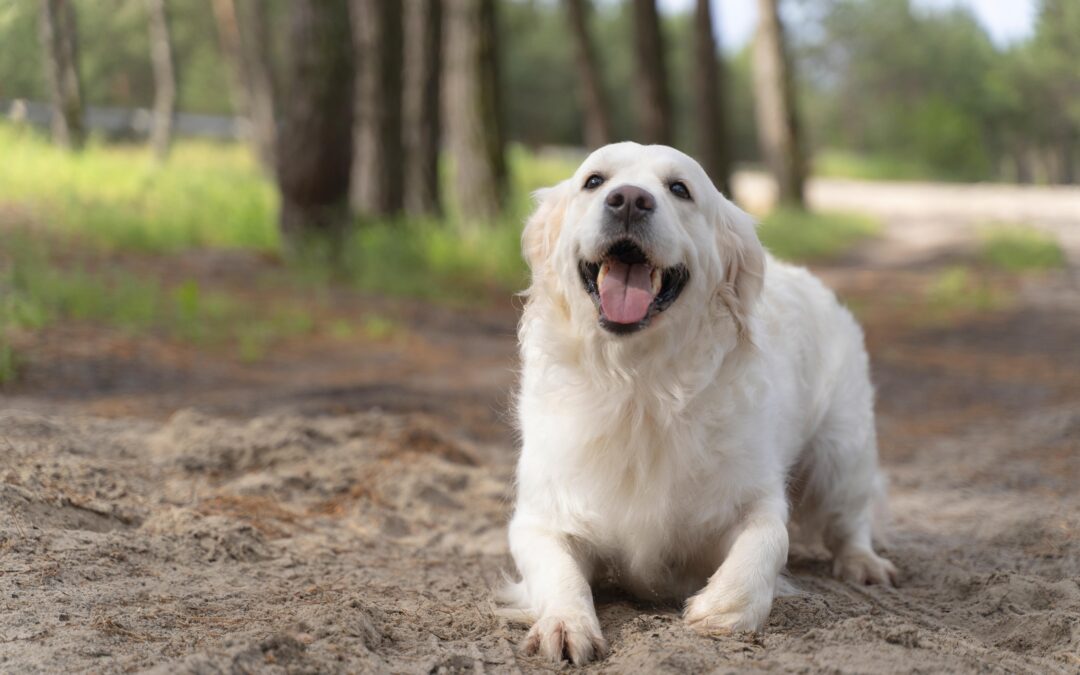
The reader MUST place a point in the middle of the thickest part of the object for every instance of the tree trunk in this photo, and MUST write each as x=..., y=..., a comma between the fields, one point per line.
x=59, y=42
x=593, y=100
x=473, y=126
x=261, y=92
x=652, y=75
x=315, y=141
x=1068, y=159
x=777, y=118
x=713, y=143
x=161, y=58
x=377, y=166
x=423, y=59
x=245, y=44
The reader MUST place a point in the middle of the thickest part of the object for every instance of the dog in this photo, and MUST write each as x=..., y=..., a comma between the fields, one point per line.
x=688, y=405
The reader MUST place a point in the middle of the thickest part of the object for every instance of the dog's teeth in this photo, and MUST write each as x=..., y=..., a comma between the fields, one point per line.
x=601, y=275
x=656, y=279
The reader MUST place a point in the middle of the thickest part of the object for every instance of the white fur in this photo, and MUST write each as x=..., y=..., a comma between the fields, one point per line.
x=664, y=461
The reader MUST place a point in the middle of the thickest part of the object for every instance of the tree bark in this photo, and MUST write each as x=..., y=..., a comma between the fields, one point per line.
x=261, y=92
x=378, y=169
x=777, y=117
x=593, y=100
x=245, y=44
x=315, y=141
x=161, y=58
x=652, y=74
x=713, y=143
x=1068, y=158
x=474, y=128
x=59, y=41
x=423, y=61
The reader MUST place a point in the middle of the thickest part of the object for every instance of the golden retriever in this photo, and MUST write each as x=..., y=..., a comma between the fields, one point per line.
x=685, y=400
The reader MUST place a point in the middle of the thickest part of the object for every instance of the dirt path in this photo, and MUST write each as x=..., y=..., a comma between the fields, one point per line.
x=926, y=220
x=341, y=508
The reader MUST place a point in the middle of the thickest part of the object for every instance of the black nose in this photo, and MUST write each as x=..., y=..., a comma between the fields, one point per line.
x=628, y=203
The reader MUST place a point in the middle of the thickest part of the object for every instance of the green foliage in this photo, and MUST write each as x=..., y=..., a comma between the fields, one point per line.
x=921, y=91
x=844, y=164
x=908, y=86
x=434, y=260
x=805, y=236
x=117, y=196
x=1018, y=249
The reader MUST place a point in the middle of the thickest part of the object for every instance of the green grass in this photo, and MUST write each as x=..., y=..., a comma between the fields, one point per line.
x=959, y=289
x=111, y=199
x=1015, y=248
x=36, y=290
x=207, y=195
x=842, y=164
x=805, y=236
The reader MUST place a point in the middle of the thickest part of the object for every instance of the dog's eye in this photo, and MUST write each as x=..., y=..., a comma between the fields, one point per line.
x=679, y=189
x=594, y=181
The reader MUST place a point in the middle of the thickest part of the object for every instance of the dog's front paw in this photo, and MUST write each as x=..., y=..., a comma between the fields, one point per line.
x=860, y=566
x=576, y=638
x=720, y=611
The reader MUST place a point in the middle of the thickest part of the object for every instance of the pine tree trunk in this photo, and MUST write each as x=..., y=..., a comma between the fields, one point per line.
x=378, y=167
x=1068, y=158
x=244, y=40
x=713, y=144
x=421, y=119
x=777, y=118
x=593, y=100
x=315, y=141
x=261, y=92
x=473, y=122
x=652, y=74
x=161, y=58
x=59, y=41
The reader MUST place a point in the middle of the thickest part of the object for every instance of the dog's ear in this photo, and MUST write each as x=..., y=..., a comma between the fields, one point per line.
x=743, y=257
x=543, y=226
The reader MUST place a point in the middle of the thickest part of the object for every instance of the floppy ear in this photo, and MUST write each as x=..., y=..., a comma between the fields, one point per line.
x=744, y=262
x=543, y=226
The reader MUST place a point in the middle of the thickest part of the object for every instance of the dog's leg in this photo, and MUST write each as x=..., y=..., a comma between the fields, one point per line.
x=739, y=595
x=557, y=587
x=848, y=536
x=847, y=483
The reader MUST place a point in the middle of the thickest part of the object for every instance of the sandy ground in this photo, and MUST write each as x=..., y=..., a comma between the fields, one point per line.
x=344, y=511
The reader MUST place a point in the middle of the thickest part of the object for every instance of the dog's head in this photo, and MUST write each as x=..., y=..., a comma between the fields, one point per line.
x=639, y=240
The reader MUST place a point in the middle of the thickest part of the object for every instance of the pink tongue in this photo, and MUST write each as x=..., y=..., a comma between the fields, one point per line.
x=626, y=292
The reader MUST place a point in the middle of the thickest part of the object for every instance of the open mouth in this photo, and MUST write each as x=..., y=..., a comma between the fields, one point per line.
x=628, y=289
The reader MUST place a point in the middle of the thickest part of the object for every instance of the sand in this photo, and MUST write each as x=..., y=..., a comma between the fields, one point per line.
x=353, y=519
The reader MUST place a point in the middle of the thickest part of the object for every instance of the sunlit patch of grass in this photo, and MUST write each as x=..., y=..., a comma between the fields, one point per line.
x=806, y=236
x=435, y=260
x=960, y=290
x=1015, y=248
x=378, y=327
x=118, y=197
x=841, y=164
x=115, y=197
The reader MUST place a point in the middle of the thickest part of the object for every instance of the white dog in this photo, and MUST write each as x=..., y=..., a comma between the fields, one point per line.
x=685, y=399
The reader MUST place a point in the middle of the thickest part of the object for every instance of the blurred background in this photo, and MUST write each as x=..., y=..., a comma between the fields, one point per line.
x=258, y=265
x=198, y=192
x=391, y=147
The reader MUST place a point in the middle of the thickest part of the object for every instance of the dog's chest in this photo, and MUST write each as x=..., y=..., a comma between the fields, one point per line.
x=658, y=512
